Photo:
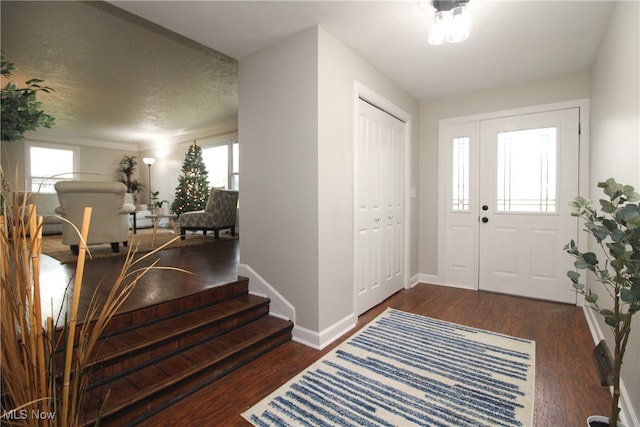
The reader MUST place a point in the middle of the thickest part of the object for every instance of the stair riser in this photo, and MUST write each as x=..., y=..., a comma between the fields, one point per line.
x=139, y=411
x=152, y=357
x=153, y=313
x=127, y=362
x=170, y=308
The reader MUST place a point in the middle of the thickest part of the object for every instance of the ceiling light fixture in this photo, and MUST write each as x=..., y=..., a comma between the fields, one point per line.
x=452, y=22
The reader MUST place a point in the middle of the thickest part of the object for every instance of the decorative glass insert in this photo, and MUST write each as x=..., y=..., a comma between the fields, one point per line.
x=527, y=180
x=460, y=178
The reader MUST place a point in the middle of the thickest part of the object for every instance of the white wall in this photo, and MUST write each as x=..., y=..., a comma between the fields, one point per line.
x=100, y=162
x=296, y=128
x=615, y=143
x=278, y=134
x=339, y=69
x=96, y=163
x=170, y=155
x=551, y=90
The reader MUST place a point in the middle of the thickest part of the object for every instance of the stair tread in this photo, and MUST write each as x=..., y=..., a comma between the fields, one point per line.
x=117, y=344
x=161, y=309
x=147, y=381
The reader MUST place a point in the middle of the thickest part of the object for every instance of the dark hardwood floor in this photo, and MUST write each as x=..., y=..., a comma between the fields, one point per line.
x=567, y=389
x=212, y=264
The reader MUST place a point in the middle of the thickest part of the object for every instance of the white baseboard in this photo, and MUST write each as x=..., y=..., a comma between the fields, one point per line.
x=413, y=281
x=432, y=279
x=319, y=340
x=283, y=309
x=279, y=306
x=627, y=411
x=435, y=280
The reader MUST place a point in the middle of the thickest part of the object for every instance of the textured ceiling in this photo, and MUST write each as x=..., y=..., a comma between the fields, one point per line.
x=117, y=77
x=120, y=77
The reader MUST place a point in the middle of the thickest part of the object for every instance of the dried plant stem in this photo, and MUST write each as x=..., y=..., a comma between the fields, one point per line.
x=35, y=231
x=31, y=379
x=84, y=232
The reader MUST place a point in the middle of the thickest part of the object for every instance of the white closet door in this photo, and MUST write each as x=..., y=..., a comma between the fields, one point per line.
x=379, y=242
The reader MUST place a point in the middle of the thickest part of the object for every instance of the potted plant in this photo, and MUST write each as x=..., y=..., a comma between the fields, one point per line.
x=21, y=112
x=156, y=204
x=616, y=229
x=126, y=171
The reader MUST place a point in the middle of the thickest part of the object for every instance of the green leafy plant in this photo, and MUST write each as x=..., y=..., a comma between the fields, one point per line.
x=155, y=202
x=21, y=112
x=126, y=170
x=616, y=229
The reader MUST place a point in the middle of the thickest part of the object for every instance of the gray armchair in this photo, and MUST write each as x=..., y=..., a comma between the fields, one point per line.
x=219, y=214
x=109, y=217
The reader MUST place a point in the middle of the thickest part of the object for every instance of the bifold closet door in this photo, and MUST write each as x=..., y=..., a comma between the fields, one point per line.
x=379, y=245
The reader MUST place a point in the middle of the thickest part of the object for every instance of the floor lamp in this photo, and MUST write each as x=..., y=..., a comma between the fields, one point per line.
x=149, y=161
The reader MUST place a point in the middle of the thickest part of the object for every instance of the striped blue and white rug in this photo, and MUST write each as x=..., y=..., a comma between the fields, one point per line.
x=409, y=370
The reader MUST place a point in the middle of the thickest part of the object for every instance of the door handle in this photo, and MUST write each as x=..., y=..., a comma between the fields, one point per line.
x=485, y=219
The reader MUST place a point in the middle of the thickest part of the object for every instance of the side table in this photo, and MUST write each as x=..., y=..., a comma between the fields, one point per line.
x=133, y=221
x=156, y=219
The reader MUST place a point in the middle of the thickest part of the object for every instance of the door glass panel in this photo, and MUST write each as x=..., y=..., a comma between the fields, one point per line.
x=460, y=179
x=527, y=170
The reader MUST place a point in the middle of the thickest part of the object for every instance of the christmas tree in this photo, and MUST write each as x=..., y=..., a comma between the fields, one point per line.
x=193, y=185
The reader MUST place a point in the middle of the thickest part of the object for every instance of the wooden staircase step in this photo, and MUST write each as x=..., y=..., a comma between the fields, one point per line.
x=122, y=350
x=149, y=314
x=169, y=378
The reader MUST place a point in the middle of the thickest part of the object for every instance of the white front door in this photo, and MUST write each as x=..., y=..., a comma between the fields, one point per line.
x=506, y=215
x=528, y=176
x=379, y=246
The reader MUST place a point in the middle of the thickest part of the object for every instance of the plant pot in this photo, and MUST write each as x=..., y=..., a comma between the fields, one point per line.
x=600, y=421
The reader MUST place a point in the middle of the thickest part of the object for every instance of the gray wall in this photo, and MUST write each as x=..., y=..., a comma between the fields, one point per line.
x=554, y=89
x=278, y=133
x=339, y=68
x=615, y=142
x=296, y=127
x=95, y=163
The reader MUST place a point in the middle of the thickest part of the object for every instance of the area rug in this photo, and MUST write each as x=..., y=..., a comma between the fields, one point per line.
x=53, y=247
x=409, y=370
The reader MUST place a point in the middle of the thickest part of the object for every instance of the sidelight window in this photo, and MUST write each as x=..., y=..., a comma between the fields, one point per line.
x=460, y=178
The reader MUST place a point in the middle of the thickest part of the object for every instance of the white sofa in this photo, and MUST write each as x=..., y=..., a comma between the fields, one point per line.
x=46, y=204
x=139, y=218
x=141, y=214
x=109, y=217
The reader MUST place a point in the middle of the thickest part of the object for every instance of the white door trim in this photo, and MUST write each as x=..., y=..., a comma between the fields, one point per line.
x=360, y=91
x=443, y=167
